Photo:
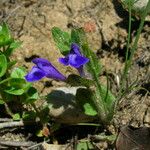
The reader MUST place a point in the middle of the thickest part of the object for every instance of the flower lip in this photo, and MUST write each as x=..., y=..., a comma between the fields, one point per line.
x=77, y=61
x=35, y=74
x=64, y=61
x=74, y=58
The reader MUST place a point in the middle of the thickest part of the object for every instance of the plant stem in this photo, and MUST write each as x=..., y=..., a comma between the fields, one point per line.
x=5, y=80
x=134, y=47
x=99, y=103
x=128, y=61
x=101, y=108
x=125, y=71
x=8, y=110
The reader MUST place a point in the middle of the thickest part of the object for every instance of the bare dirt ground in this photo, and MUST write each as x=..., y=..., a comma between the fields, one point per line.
x=105, y=22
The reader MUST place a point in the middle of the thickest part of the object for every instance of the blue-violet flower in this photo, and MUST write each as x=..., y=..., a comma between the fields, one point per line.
x=75, y=59
x=43, y=68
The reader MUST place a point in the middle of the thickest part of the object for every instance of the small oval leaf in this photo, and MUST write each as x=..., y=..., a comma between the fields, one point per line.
x=84, y=99
x=62, y=40
x=3, y=65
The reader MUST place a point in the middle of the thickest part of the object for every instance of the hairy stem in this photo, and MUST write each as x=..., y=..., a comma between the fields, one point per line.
x=125, y=71
x=99, y=103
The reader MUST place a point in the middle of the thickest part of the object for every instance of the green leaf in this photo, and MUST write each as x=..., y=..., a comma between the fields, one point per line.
x=9, y=97
x=11, y=63
x=62, y=40
x=12, y=47
x=16, y=117
x=108, y=98
x=89, y=110
x=82, y=146
x=94, y=66
x=84, y=99
x=15, y=44
x=5, y=30
x=75, y=36
x=90, y=146
x=5, y=37
x=14, y=91
x=1, y=102
x=75, y=80
x=17, y=86
x=29, y=115
x=39, y=133
x=78, y=36
x=17, y=83
x=31, y=95
x=3, y=65
x=18, y=73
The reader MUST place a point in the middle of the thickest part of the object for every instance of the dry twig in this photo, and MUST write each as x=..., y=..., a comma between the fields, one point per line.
x=11, y=124
x=6, y=120
x=16, y=143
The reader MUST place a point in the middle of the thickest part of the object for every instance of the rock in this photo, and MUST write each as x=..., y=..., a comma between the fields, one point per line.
x=63, y=107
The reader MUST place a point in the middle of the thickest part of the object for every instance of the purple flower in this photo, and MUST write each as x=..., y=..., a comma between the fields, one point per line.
x=75, y=59
x=43, y=68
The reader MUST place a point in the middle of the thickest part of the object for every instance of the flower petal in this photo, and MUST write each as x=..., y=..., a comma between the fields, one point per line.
x=52, y=72
x=77, y=61
x=75, y=49
x=35, y=74
x=64, y=61
x=49, y=70
x=41, y=62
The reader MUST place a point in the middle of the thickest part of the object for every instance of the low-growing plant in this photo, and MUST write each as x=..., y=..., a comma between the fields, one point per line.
x=93, y=97
x=14, y=88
